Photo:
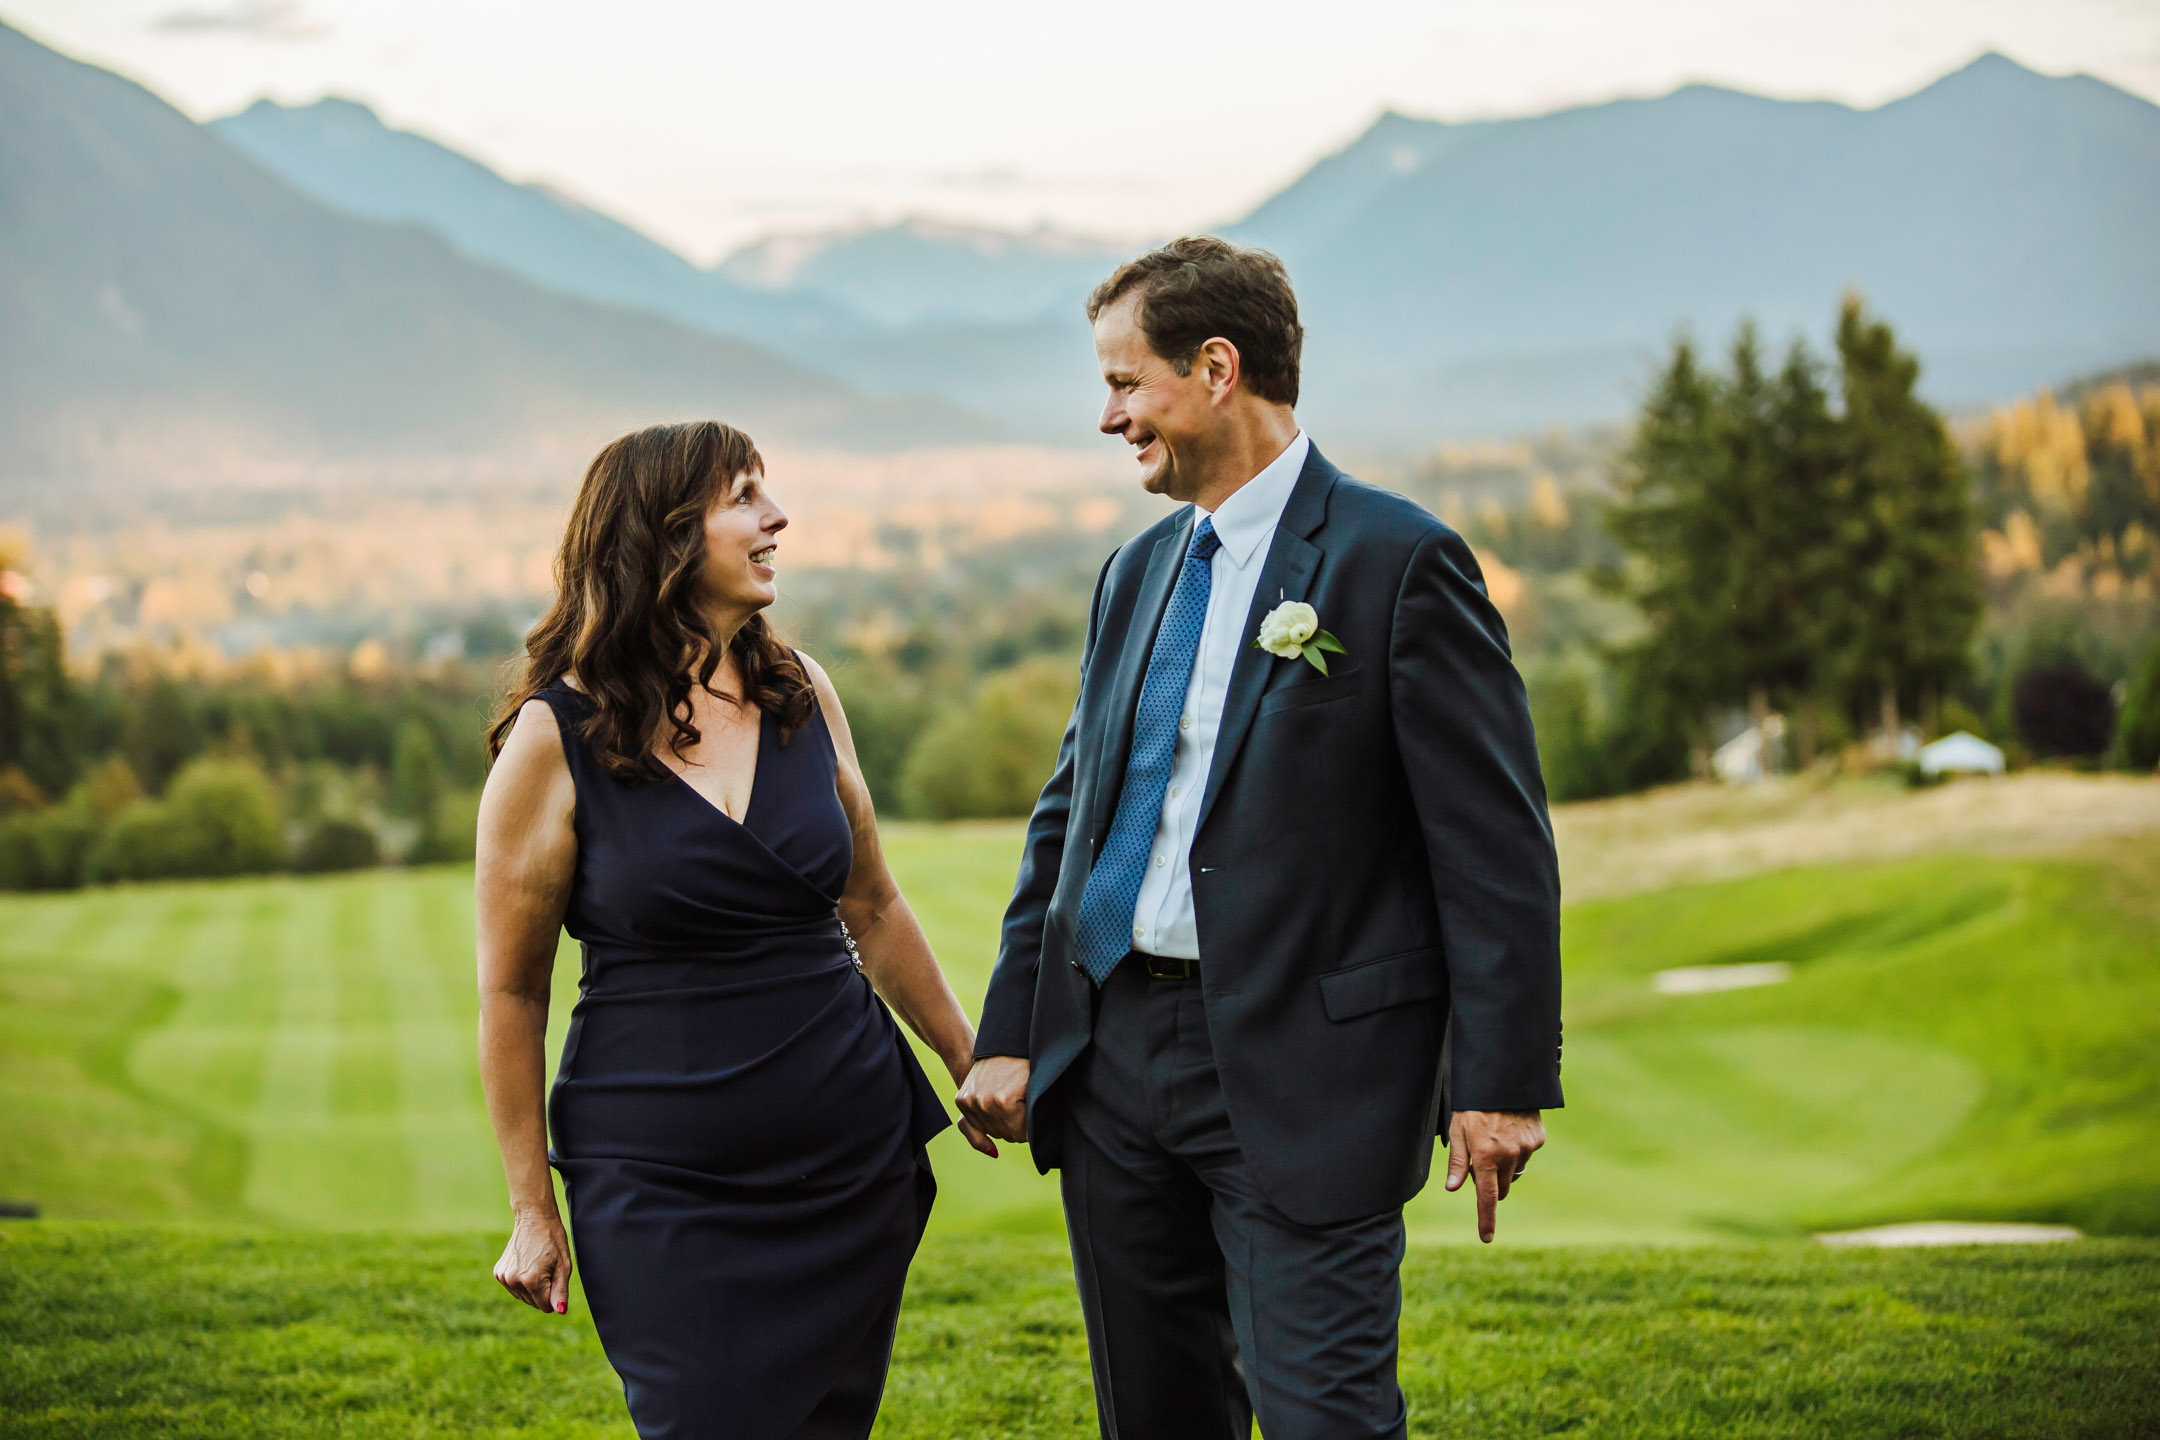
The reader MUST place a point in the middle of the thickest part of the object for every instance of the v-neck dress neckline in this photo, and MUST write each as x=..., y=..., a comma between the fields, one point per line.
x=757, y=781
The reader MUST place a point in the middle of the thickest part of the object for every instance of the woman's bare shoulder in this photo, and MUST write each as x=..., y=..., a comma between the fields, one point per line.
x=819, y=680
x=534, y=745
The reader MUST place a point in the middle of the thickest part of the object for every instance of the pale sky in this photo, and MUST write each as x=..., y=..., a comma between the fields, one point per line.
x=708, y=124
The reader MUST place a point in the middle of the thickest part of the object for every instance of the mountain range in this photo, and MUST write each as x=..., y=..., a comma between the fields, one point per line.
x=1521, y=270
x=161, y=294
x=314, y=273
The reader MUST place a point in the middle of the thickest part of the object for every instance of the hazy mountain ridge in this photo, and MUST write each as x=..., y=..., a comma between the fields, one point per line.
x=913, y=307
x=341, y=153
x=1496, y=275
x=1999, y=217
x=1457, y=279
x=928, y=272
x=160, y=289
x=798, y=292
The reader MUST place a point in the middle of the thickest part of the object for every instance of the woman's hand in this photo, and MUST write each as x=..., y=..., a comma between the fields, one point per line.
x=969, y=1130
x=535, y=1265
x=959, y=1062
x=976, y=1138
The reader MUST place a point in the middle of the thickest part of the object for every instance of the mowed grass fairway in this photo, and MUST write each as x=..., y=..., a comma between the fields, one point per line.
x=133, y=1332
x=1963, y=1037
x=278, y=1076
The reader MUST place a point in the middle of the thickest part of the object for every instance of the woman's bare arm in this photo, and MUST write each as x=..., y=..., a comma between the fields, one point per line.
x=894, y=952
x=526, y=854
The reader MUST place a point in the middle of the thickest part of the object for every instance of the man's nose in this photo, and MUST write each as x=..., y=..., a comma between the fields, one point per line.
x=777, y=520
x=1113, y=416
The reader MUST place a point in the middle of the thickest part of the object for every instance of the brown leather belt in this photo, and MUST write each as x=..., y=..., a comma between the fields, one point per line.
x=1168, y=967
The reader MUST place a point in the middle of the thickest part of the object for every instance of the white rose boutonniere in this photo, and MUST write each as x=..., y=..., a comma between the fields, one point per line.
x=1292, y=629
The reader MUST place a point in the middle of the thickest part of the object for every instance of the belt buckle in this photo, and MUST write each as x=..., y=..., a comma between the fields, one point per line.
x=1169, y=967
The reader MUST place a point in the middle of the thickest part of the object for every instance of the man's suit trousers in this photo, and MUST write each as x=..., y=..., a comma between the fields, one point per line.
x=1204, y=1303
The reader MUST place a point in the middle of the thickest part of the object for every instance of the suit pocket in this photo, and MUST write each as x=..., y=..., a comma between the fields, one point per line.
x=1378, y=984
x=1315, y=690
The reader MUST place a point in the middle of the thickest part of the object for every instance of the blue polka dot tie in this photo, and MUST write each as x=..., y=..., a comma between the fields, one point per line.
x=1104, y=934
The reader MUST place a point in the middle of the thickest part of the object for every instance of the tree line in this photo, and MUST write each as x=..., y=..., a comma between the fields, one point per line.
x=138, y=774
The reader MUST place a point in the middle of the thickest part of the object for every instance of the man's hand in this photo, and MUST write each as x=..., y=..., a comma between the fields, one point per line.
x=994, y=1097
x=1496, y=1146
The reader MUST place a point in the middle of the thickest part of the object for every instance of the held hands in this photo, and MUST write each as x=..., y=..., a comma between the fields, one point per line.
x=993, y=1099
x=963, y=1070
x=535, y=1265
x=1496, y=1146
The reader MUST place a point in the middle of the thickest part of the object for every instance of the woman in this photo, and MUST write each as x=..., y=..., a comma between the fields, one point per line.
x=738, y=1122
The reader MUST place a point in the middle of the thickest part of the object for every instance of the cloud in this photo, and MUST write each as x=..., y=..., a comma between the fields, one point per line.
x=263, y=19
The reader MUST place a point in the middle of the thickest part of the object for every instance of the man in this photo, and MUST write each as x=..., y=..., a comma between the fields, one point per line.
x=1284, y=913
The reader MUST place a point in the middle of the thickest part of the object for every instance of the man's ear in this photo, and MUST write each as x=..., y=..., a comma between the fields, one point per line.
x=1219, y=365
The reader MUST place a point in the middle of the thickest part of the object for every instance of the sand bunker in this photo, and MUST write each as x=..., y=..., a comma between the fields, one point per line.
x=1710, y=979
x=1689, y=833
x=1952, y=1232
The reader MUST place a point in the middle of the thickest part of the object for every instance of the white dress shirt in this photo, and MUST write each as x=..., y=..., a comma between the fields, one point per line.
x=1245, y=523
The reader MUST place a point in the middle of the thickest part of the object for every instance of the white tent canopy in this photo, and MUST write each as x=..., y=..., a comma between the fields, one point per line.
x=1962, y=753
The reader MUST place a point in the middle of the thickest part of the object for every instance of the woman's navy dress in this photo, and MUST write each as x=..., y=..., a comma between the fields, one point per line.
x=737, y=1120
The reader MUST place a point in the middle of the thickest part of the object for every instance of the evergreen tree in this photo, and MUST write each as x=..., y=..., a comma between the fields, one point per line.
x=37, y=703
x=1802, y=569
x=1724, y=504
x=1667, y=518
x=1901, y=625
x=1785, y=555
x=1778, y=471
x=2137, y=731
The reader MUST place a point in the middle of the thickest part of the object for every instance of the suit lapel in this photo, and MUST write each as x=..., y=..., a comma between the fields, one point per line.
x=1159, y=579
x=1292, y=562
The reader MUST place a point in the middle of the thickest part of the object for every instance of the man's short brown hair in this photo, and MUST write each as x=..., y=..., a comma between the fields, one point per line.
x=1197, y=288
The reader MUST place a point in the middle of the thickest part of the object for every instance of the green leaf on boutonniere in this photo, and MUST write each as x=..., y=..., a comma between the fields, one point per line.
x=1322, y=641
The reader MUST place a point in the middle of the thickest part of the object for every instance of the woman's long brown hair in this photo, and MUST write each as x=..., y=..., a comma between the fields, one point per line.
x=626, y=620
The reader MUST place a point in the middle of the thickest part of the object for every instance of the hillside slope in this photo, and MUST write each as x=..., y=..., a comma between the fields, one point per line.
x=340, y=153
x=159, y=289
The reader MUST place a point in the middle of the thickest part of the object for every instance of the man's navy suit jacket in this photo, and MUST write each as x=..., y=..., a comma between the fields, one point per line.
x=1373, y=874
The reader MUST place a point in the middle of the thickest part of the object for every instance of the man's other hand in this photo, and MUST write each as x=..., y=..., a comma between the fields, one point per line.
x=1493, y=1145
x=994, y=1097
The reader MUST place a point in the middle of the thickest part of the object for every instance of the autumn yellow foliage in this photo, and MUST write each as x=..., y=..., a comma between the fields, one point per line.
x=2072, y=490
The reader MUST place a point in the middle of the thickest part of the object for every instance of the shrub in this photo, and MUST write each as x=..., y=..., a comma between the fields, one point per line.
x=1956, y=715
x=2137, y=732
x=2062, y=709
x=336, y=843
x=886, y=716
x=144, y=842
x=19, y=794
x=1601, y=732
x=1564, y=709
x=990, y=756
x=416, y=772
x=108, y=789
x=219, y=817
x=46, y=849
x=448, y=832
